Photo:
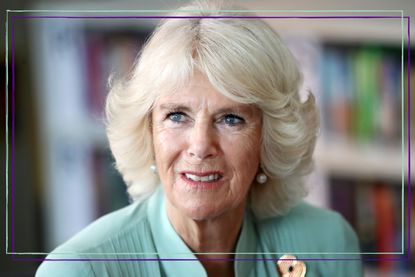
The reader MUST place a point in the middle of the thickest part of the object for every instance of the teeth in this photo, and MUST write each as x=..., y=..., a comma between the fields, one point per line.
x=212, y=177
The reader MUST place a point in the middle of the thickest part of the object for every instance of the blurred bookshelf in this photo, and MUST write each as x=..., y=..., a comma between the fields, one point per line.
x=74, y=60
x=354, y=72
x=361, y=158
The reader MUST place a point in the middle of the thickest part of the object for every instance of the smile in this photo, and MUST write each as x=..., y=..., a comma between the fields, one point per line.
x=206, y=178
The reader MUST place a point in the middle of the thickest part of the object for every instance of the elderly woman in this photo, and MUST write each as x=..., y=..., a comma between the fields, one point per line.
x=211, y=137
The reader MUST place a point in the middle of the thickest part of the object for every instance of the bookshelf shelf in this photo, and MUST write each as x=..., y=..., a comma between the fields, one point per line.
x=360, y=161
x=354, y=31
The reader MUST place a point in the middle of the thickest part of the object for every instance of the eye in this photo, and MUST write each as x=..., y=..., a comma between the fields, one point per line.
x=176, y=117
x=233, y=120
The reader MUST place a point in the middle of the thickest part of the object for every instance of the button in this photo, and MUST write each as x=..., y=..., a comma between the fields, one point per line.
x=289, y=266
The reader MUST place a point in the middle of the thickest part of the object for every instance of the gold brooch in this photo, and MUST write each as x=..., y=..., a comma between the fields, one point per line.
x=289, y=266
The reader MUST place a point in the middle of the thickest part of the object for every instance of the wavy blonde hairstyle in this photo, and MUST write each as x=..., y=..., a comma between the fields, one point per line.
x=245, y=60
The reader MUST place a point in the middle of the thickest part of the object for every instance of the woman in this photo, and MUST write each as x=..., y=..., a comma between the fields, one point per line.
x=212, y=140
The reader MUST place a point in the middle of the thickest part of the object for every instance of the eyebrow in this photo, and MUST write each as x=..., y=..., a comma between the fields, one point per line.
x=174, y=107
x=181, y=107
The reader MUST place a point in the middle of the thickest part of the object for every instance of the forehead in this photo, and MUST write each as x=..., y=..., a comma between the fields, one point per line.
x=197, y=92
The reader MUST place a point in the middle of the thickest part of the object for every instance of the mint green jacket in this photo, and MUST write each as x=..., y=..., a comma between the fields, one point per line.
x=143, y=231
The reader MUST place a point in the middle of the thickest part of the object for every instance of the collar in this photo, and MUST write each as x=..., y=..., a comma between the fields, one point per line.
x=169, y=244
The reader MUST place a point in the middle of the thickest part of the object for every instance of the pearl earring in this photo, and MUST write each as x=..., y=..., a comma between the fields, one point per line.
x=153, y=168
x=261, y=178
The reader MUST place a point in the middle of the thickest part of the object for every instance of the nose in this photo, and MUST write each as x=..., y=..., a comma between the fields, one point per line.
x=203, y=142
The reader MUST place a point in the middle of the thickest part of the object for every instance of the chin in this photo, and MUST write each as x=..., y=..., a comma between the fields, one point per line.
x=204, y=212
x=200, y=212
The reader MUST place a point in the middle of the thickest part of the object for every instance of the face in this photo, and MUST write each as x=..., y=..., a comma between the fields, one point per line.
x=206, y=148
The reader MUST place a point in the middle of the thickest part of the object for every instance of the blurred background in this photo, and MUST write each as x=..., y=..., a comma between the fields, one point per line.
x=63, y=170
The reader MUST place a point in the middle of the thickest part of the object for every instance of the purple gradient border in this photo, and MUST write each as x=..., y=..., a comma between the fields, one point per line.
x=12, y=25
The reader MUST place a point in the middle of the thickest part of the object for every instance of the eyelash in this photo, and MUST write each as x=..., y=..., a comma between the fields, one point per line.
x=239, y=119
x=170, y=114
x=223, y=119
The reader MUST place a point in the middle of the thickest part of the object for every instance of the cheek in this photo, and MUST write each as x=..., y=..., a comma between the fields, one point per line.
x=243, y=154
x=167, y=145
x=244, y=145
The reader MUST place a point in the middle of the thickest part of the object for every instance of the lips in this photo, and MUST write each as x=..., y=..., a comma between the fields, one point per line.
x=206, y=178
x=201, y=177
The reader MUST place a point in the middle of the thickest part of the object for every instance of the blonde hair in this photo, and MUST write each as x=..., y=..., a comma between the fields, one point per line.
x=245, y=60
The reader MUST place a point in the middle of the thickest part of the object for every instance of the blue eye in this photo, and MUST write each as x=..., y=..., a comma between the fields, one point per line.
x=233, y=120
x=176, y=117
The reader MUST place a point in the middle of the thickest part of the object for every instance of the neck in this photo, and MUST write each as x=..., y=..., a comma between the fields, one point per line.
x=218, y=235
